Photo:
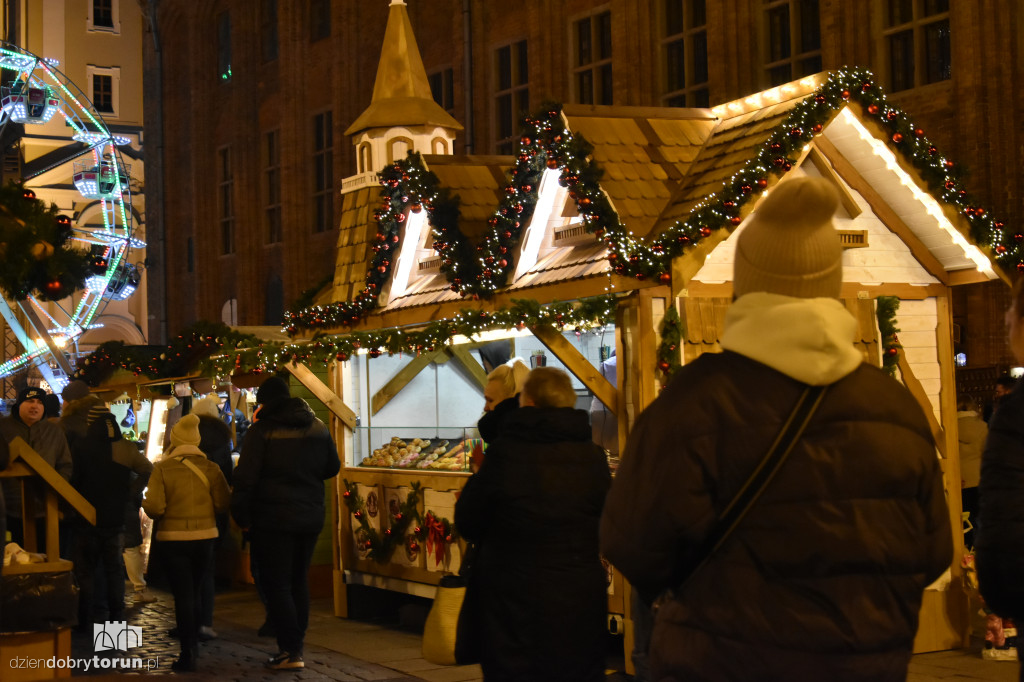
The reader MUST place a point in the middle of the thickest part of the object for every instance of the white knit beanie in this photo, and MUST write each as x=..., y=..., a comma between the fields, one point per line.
x=186, y=431
x=789, y=246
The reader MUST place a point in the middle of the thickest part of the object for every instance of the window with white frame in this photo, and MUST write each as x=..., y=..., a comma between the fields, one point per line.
x=917, y=46
x=512, y=95
x=104, y=88
x=592, y=59
x=685, y=47
x=793, y=32
x=104, y=16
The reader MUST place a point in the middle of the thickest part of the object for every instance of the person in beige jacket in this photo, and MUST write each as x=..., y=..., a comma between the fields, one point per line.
x=185, y=493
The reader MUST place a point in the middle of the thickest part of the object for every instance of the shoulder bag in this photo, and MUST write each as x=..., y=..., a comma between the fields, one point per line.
x=750, y=491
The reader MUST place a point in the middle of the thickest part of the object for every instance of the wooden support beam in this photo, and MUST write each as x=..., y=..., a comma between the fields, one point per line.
x=915, y=388
x=35, y=462
x=462, y=355
x=401, y=379
x=323, y=393
x=948, y=412
x=974, y=276
x=881, y=208
x=578, y=364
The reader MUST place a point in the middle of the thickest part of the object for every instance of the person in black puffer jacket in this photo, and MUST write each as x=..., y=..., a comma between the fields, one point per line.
x=278, y=497
x=533, y=508
x=999, y=546
x=103, y=466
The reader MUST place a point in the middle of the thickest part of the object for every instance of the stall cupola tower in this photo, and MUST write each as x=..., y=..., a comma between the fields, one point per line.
x=402, y=115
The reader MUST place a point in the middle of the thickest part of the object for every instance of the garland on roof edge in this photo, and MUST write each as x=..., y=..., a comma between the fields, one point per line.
x=216, y=350
x=476, y=271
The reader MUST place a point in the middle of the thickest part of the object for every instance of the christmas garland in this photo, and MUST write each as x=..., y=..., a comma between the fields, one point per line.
x=886, y=314
x=188, y=352
x=35, y=253
x=436, y=532
x=671, y=338
x=479, y=271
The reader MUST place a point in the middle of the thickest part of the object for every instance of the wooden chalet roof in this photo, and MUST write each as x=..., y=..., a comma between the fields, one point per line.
x=355, y=235
x=645, y=154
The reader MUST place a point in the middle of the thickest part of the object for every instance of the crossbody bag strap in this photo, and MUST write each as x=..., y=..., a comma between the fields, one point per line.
x=762, y=475
x=195, y=470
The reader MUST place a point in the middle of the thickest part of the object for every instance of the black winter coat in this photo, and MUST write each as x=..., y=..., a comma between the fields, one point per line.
x=999, y=545
x=279, y=480
x=215, y=442
x=533, y=508
x=823, y=579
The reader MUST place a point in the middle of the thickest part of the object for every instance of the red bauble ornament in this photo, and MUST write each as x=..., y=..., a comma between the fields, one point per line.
x=503, y=263
x=641, y=276
x=775, y=146
x=664, y=278
x=890, y=115
x=845, y=94
x=342, y=357
x=865, y=87
x=872, y=109
x=950, y=184
x=778, y=161
x=820, y=99
x=552, y=163
x=417, y=207
x=28, y=194
x=506, y=234
x=347, y=494
x=664, y=366
x=735, y=220
x=795, y=132
x=746, y=189
x=892, y=351
x=816, y=128
x=947, y=163
x=53, y=287
x=1000, y=249
x=897, y=137
x=932, y=151
x=705, y=231
x=918, y=133
x=762, y=183
x=728, y=204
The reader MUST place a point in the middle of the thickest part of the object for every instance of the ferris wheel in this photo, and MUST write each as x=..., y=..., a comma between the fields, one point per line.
x=83, y=154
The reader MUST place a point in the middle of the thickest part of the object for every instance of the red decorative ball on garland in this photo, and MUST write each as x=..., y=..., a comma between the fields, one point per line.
x=417, y=207
x=28, y=194
x=664, y=366
x=552, y=163
x=892, y=351
x=664, y=278
x=705, y=231
x=816, y=128
x=897, y=138
x=762, y=183
x=845, y=94
x=865, y=87
x=918, y=133
x=891, y=115
x=53, y=287
x=872, y=109
x=932, y=151
x=735, y=220
x=1000, y=249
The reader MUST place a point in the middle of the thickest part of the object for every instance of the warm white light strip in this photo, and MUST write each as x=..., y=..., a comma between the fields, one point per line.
x=405, y=260
x=930, y=203
x=537, y=229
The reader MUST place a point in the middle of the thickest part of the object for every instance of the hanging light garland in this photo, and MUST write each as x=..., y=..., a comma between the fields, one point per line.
x=478, y=271
x=887, y=329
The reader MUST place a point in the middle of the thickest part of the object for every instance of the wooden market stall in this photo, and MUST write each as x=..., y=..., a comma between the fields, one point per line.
x=644, y=212
x=26, y=467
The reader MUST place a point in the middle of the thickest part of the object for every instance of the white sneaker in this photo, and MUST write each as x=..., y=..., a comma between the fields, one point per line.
x=206, y=633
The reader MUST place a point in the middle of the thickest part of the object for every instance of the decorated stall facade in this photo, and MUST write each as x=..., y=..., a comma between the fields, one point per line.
x=608, y=220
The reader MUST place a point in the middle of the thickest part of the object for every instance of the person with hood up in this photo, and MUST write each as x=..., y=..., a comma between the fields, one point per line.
x=533, y=509
x=278, y=497
x=74, y=417
x=103, y=474
x=823, y=579
x=47, y=439
x=186, y=492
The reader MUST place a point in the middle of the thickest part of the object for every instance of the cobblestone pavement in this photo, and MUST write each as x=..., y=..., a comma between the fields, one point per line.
x=350, y=650
x=237, y=653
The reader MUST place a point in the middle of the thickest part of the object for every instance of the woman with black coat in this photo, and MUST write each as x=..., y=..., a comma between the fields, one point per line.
x=533, y=507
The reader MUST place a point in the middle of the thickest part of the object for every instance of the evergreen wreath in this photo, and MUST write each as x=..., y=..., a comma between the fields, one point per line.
x=380, y=546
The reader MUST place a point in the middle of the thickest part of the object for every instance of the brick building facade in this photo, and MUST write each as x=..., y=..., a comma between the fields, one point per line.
x=252, y=99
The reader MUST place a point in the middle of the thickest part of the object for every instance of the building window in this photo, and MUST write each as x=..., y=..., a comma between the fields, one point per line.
x=224, y=47
x=917, y=40
x=225, y=200
x=268, y=30
x=442, y=87
x=103, y=16
x=103, y=13
x=512, y=97
x=104, y=83
x=272, y=185
x=323, y=172
x=685, y=47
x=794, y=39
x=103, y=94
x=593, y=63
x=319, y=20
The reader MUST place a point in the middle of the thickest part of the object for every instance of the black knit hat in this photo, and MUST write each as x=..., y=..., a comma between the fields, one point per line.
x=29, y=393
x=272, y=392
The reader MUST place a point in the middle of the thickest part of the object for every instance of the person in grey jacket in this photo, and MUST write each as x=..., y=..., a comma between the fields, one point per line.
x=823, y=579
x=47, y=439
x=278, y=497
